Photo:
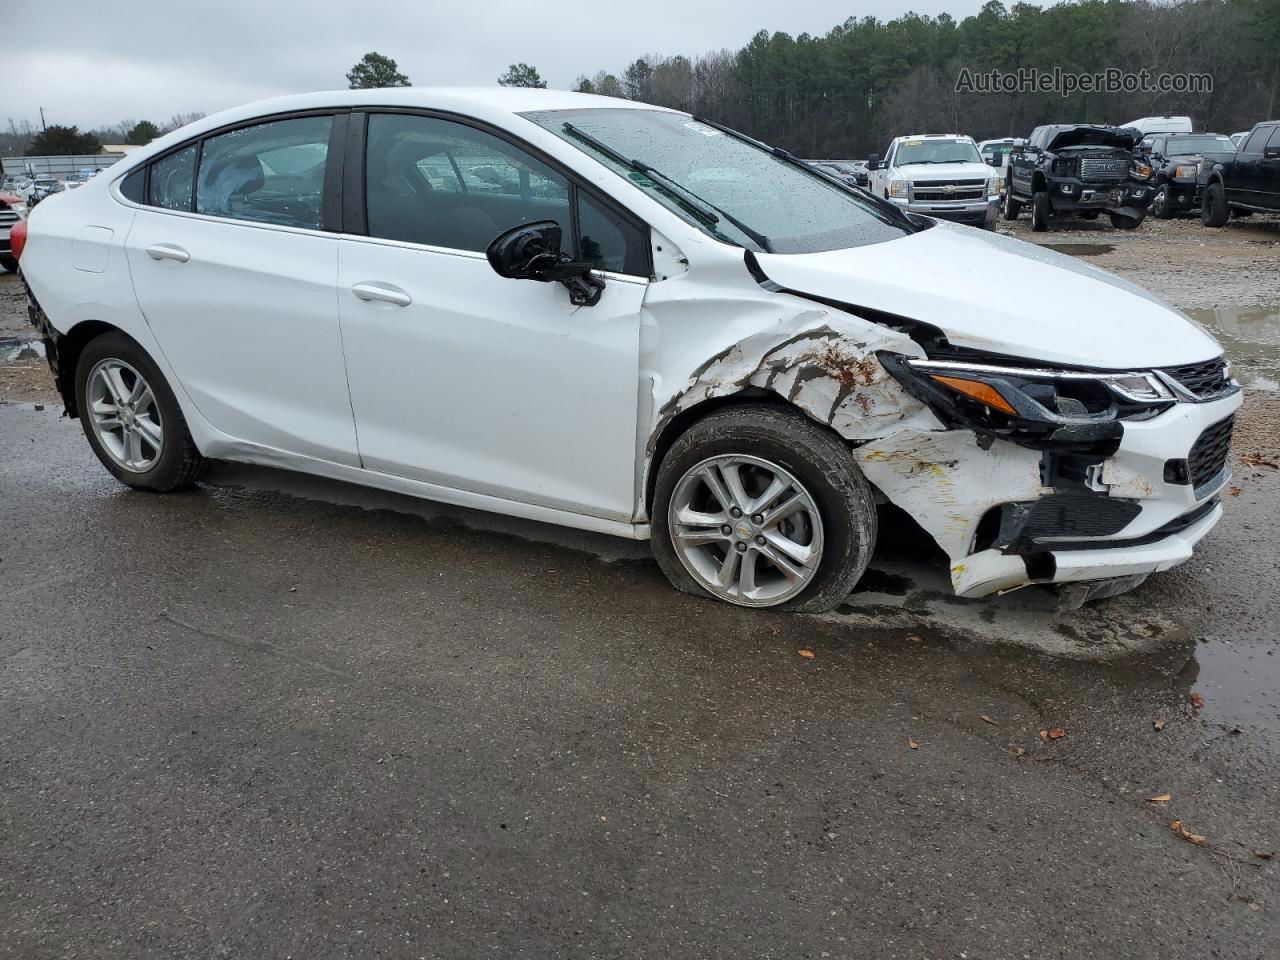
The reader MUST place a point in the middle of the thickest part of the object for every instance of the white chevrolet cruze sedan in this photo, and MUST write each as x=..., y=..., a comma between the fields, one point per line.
x=622, y=318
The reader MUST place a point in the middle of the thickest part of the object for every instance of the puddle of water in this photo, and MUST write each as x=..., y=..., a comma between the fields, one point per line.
x=1251, y=336
x=1081, y=249
x=1240, y=683
x=14, y=350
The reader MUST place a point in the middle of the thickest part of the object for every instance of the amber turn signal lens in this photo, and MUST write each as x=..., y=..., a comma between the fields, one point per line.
x=982, y=392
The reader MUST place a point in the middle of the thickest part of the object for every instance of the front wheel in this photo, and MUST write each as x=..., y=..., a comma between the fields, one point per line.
x=1160, y=203
x=1040, y=211
x=758, y=506
x=1012, y=206
x=131, y=417
x=1213, y=207
x=1121, y=222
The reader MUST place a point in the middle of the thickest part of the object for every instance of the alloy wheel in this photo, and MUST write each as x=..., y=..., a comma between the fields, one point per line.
x=746, y=529
x=125, y=417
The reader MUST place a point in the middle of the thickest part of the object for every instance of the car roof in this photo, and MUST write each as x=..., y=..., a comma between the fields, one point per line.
x=936, y=136
x=494, y=104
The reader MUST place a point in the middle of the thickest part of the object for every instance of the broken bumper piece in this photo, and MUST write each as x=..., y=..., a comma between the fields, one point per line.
x=991, y=571
x=1008, y=514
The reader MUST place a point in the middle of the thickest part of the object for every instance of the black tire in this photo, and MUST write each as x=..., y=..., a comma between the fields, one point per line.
x=1040, y=211
x=179, y=463
x=1160, y=203
x=1121, y=222
x=820, y=460
x=9, y=263
x=1213, y=206
x=1012, y=205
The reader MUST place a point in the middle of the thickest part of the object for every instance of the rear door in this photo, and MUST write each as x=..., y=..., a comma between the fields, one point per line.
x=235, y=270
x=468, y=380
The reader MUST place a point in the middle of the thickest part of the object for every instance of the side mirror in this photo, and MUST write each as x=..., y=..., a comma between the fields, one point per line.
x=994, y=161
x=531, y=251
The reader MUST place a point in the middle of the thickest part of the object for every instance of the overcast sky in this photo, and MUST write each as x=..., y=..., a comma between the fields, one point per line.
x=91, y=63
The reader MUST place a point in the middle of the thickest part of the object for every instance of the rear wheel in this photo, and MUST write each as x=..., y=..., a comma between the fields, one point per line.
x=131, y=417
x=1213, y=207
x=1040, y=211
x=1121, y=222
x=758, y=506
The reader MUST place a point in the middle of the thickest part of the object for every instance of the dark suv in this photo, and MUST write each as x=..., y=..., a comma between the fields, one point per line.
x=1248, y=182
x=1082, y=169
x=1176, y=159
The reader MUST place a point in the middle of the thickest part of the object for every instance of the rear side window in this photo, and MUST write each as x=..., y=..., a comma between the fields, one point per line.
x=171, y=180
x=1275, y=137
x=269, y=173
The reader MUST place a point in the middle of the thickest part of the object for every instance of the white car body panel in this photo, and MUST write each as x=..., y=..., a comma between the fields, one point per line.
x=499, y=395
x=949, y=273
x=492, y=386
x=248, y=298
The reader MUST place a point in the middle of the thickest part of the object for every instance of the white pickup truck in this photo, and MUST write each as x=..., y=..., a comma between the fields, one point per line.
x=940, y=175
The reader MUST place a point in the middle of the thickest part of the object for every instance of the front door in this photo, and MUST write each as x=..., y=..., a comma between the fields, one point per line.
x=236, y=280
x=474, y=382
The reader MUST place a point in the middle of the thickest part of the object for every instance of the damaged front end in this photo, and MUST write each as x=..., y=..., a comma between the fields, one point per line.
x=1058, y=475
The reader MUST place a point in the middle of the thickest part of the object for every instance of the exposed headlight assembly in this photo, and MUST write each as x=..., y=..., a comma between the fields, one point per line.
x=1034, y=406
x=1140, y=170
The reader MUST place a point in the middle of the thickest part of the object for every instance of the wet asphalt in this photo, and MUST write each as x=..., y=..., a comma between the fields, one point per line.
x=270, y=717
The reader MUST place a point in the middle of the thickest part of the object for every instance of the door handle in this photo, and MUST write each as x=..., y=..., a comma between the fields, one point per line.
x=167, y=251
x=382, y=292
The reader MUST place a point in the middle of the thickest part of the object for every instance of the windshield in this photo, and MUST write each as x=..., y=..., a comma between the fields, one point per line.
x=1201, y=144
x=732, y=189
x=936, y=151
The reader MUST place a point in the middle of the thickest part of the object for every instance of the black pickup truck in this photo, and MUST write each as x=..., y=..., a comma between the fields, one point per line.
x=1081, y=169
x=1177, y=159
x=1247, y=183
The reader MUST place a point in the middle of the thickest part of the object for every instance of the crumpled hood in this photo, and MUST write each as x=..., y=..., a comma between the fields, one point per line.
x=1092, y=135
x=995, y=293
x=921, y=172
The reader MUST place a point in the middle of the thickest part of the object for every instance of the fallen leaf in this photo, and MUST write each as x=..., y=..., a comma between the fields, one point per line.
x=1057, y=733
x=807, y=654
x=913, y=743
x=1161, y=798
x=1264, y=854
x=1178, y=828
x=1236, y=491
x=988, y=719
x=1197, y=701
x=1254, y=459
x=1158, y=723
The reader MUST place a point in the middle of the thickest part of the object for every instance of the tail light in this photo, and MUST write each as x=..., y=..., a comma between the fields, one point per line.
x=18, y=238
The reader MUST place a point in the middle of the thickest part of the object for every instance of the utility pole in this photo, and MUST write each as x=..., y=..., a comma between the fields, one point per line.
x=42, y=126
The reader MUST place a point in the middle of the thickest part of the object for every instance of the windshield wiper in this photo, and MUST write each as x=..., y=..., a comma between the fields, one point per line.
x=696, y=205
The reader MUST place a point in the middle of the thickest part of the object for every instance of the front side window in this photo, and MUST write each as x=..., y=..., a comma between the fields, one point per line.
x=446, y=184
x=268, y=173
x=172, y=178
x=733, y=189
x=1255, y=141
